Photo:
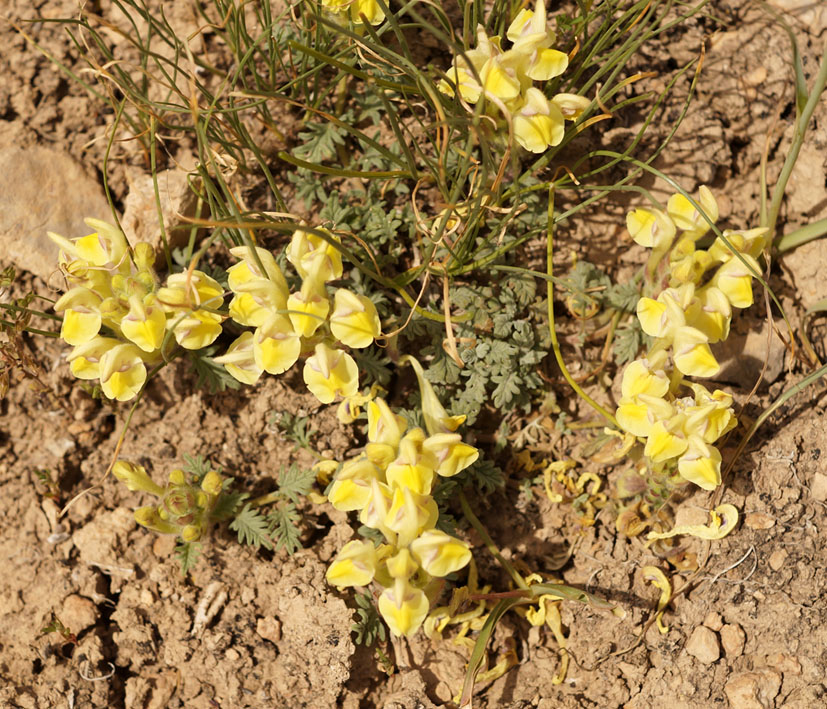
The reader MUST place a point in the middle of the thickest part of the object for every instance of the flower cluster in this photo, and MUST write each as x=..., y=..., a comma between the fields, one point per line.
x=685, y=318
x=185, y=506
x=115, y=287
x=390, y=485
x=290, y=324
x=355, y=10
x=506, y=79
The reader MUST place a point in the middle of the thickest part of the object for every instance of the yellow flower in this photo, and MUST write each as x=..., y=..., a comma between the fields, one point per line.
x=665, y=319
x=414, y=466
x=734, y=278
x=276, y=346
x=369, y=8
x=403, y=607
x=701, y=464
x=538, y=124
x=122, y=372
x=643, y=387
x=85, y=359
x=354, y=321
x=410, y=514
x=256, y=300
x=248, y=269
x=187, y=297
x=436, y=418
x=689, y=219
x=651, y=228
x=440, y=554
x=384, y=426
x=532, y=38
x=711, y=313
x=240, y=361
x=666, y=440
x=571, y=106
x=145, y=323
x=401, y=565
x=375, y=510
x=136, y=478
x=330, y=373
x=82, y=317
x=308, y=308
x=353, y=486
x=355, y=565
x=451, y=455
x=315, y=257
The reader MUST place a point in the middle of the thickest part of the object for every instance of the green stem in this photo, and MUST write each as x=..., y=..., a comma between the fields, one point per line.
x=796, y=238
x=801, y=125
x=555, y=345
x=489, y=543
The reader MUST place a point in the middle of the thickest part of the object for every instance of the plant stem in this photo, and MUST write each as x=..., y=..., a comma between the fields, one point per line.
x=555, y=345
x=489, y=543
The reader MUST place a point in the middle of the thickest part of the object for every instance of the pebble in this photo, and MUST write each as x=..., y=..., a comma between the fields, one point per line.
x=733, y=640
x=759, y=520
x=140, y=218
x=777, y=559
x=78, y=613
x=269, y=628
x=818, y=487
x=713, y=621
x=753, y=690
x=42, y=190
x=703, y=645
x=787, y=664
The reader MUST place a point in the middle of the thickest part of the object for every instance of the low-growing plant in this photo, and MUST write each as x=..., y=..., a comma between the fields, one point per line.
x=422, y=186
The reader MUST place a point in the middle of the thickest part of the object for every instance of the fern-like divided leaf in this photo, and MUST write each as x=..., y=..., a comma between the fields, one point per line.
x=187, y=553
x=252, y=528
x=295, y=482
x=198, y=467
x=211, y=376
x=368, y=626
x=227, y=504
x=284, y=527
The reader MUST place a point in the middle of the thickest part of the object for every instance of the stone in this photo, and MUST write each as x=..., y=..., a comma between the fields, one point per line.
x=818, y=487
x=140, y=219
x=713, y=621
x=733, y=640
x=742, y=357
x=759, y=520
x=78, y=613
x=42, y=190
x=269, y=628
x=787, y=664
x=777, y=559
x=753, y=690
x=703, y=645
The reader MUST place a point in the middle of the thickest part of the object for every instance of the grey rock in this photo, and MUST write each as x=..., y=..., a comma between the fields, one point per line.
x=43, y=190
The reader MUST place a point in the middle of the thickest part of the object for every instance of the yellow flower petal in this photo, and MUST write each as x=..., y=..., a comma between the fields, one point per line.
x=440, y=554
x=354, y=321
x=276, y=347
x=403, y=608
x=330, y=373
x=239, y=360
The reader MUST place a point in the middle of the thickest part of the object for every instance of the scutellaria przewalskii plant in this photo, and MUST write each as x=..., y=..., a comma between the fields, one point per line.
x=498, y=104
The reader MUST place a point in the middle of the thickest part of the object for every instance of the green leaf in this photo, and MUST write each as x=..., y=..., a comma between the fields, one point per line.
x=284, y=526
x=294, y=482
x=623, y=296
x=211, y=375
x=252, y=528
x=320, y=141
x=187, y=553
x=227, y=504
x=368, y=626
